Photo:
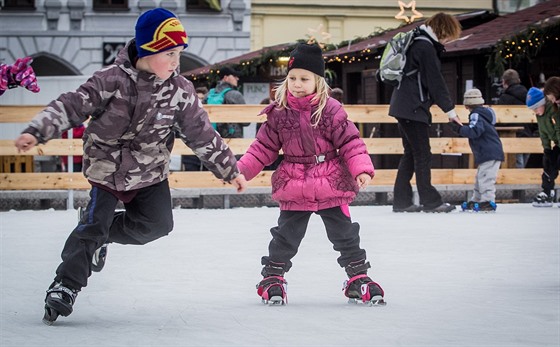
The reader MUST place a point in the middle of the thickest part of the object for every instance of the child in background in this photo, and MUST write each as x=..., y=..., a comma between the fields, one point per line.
x=487, y=150
x=137, y=106
x=549, y=132
x=325, y=163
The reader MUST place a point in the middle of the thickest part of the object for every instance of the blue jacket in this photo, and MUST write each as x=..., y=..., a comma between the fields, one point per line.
x=483, y=138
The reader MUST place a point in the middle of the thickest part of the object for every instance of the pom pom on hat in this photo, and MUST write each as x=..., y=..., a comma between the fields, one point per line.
x=308, y=57
x=535, y=98
x=159, y=30
x=473, y=97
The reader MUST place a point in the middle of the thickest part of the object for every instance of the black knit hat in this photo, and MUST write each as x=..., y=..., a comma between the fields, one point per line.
x=307, y=57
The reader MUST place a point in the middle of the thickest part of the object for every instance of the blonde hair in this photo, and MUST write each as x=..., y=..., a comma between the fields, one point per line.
x=322, y=94
x=445, y=26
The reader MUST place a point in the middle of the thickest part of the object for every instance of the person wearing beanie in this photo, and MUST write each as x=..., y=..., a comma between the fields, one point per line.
x=325, y=164
x=227, y=88
x=487, y=150
x=548, y=122
x=136, y=107
x=225, y=92
x=410, y=104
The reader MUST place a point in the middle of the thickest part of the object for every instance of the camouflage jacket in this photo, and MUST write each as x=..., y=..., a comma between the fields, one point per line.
x=135, y=117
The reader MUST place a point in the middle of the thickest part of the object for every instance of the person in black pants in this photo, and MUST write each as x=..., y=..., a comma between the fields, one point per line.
x=421, y=87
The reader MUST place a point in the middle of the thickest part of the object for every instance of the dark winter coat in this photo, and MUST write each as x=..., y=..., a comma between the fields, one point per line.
x=483, y=138
x=135, y=116
x=419, y=91
x=309, y=186
x=513, y=95
x=232, y=97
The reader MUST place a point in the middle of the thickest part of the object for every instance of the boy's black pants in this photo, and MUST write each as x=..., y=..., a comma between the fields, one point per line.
x=147, y=217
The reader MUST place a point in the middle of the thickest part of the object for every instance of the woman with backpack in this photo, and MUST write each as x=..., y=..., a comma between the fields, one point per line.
x=410, y=104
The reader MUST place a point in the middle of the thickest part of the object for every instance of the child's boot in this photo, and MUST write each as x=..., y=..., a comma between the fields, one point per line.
x=360, y=287
x=273, y=289
x=485, y=206
x=467, y=206
x=544, y=199
x=59, y=301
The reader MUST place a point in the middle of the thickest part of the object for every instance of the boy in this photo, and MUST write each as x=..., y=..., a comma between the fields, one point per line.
x=487, y=150
x=549, y=132
x=137, y=105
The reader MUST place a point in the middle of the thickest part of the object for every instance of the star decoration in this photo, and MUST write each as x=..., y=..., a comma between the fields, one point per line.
x=412, y=6
x=325, y=36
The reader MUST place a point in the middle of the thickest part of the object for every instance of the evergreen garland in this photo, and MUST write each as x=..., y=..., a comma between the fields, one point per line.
x=523, y=46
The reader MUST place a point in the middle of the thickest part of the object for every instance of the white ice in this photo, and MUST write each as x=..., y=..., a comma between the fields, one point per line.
x=454, y=279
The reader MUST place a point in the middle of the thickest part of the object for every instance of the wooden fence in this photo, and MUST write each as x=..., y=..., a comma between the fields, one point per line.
x=457, y=178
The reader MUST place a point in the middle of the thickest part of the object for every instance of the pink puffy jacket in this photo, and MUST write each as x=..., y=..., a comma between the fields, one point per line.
x=300, y=183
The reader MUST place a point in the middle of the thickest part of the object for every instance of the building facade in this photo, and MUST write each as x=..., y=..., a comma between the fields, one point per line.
x=78, y=37
x=333, y=21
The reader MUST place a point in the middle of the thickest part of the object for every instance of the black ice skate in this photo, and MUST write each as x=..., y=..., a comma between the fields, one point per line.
x=273, y=289
x=59, y=301
x=360, y=288
x=544, y=200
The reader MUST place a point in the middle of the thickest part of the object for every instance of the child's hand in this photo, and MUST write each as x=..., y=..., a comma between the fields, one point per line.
x=240, y=183
x=363, y=180
x=25, y=142
x=455, y=120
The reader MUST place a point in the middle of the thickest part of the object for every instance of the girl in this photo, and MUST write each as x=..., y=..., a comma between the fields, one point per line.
x=325, y=163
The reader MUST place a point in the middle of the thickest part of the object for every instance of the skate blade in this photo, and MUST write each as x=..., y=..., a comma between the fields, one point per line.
x=50, y=316
x=274, y=301
x=375, y=301
x=543, y=204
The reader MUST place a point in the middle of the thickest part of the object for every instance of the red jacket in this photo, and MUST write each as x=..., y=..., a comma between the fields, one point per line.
x=309, y=186
x=77, y=133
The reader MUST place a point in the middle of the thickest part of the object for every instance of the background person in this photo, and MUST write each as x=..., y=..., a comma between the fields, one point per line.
x=410, y=104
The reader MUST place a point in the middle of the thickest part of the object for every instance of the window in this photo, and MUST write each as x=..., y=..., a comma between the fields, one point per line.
x=110, y=5
x=204, y=5
x=19, y=5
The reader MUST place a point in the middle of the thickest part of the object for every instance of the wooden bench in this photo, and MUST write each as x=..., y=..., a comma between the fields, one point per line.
x=198, y=184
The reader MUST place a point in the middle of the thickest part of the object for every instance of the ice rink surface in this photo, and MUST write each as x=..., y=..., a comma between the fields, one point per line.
x=457, y=279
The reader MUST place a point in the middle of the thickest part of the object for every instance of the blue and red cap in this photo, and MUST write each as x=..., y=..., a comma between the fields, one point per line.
x=159, y=30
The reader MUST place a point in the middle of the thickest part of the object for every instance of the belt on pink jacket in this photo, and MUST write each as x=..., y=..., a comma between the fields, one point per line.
x=311, y=159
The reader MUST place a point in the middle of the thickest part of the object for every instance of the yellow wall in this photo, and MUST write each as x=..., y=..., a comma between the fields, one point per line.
x=274, y=21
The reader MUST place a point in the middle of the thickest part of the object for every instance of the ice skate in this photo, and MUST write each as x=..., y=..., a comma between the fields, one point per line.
x=359, y=288
x=485, y=206
x=544, y=200
x=467, y=206
x=59, y=301
x=273, y=289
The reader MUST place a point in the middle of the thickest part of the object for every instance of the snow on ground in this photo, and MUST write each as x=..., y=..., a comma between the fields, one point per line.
x=453, y=279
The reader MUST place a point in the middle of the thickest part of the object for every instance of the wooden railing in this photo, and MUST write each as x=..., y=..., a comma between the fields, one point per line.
x=248, y=113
